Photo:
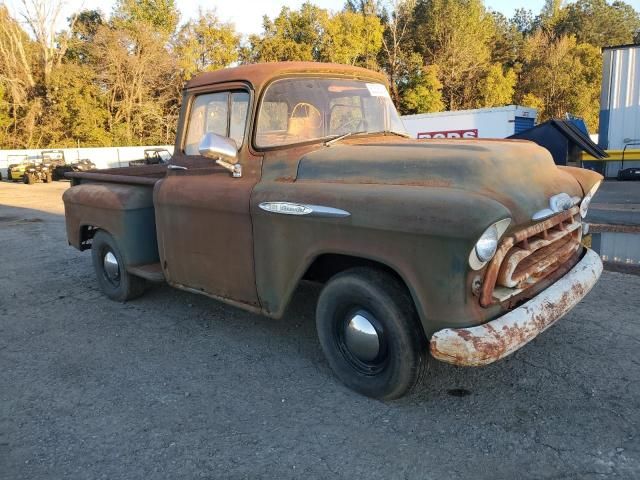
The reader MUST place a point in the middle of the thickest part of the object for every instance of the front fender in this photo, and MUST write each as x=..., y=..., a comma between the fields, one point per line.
x=586, y=178
x=424, y=234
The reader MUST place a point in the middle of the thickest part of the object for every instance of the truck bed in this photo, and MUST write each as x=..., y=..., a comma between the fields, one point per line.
x=137, y=175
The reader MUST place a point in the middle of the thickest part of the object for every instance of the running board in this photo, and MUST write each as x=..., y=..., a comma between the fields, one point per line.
x=151, y=271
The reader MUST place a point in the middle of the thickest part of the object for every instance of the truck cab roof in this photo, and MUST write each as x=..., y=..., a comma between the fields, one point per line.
x=260, y=74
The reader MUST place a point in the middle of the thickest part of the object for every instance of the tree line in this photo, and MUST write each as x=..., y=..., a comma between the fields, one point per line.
x=110, y=80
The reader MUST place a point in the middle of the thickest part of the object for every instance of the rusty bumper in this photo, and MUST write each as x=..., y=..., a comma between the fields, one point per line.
x=484, y=344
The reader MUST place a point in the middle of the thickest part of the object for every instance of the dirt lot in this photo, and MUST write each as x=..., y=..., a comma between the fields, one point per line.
x=175, y=385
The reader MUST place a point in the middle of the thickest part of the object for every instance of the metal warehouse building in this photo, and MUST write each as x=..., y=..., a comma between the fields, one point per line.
x=620, y=106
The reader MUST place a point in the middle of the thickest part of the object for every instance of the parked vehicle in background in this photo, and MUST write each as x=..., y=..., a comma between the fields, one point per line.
x=629, y=174
x=303, y=171
x=84, y=165
x=53, y=159
x=17, y=165
x=153, y=156
x=37, y=172
x=21, y=168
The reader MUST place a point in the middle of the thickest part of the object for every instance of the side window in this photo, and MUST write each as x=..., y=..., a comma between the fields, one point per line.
x=239, y=110
x=223, y=113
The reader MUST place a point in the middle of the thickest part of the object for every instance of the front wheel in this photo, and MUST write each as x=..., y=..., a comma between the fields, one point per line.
x=370, y=334
x=113, y=278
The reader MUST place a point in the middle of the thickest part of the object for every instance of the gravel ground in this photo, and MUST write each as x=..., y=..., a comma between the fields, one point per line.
x=176, y=385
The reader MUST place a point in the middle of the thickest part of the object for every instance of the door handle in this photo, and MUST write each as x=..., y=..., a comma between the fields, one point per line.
x=176, y=167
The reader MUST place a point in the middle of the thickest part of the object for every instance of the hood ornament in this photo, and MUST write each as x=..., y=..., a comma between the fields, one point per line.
x=558, y=203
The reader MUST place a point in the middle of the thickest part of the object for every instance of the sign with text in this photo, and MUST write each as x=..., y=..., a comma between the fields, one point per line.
x=471, y=133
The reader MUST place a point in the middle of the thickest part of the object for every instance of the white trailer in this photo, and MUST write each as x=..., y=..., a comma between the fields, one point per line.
x=498, y=122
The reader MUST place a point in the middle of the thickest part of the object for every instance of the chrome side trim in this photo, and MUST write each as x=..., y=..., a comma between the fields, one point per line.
x=289, y=208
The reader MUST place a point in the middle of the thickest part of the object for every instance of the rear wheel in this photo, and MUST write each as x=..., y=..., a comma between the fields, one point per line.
x=370, y=334
x=29, y=179
x=113, y=278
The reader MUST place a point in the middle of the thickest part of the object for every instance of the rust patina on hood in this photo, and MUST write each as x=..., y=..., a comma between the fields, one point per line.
x=519, y=175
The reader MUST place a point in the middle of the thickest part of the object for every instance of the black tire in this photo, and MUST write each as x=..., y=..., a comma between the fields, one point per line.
x=28, y=179
x=386, y=304
x=125, y=286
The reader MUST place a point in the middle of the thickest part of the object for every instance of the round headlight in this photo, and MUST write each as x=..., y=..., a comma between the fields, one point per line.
x=487, y=244
x=586, y=201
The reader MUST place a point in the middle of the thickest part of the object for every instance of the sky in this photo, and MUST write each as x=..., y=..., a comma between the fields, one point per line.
x=247, y=14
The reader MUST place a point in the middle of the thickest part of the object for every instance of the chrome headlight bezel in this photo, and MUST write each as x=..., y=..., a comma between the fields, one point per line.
x=487, y=245
x=586, y=201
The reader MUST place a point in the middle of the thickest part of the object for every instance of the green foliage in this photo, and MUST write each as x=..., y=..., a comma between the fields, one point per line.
x=599, y=23
x=117, y=81
x=162, y=15
x=5, y=117
x=456, y=35
x=206, y=44
x=353, y=38
x=423, y=93
x=293, y=35
x=314, y=34
x=498, y=87
x=76, y=111
x=85, y=26
x=561, y=76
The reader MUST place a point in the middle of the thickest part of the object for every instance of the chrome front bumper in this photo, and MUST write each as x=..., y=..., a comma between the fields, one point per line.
x=484, y=344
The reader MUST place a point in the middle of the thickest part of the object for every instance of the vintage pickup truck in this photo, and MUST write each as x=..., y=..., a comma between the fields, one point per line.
x=286, y=172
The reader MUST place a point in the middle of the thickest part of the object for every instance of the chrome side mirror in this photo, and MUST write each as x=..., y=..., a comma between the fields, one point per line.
x=223, y=150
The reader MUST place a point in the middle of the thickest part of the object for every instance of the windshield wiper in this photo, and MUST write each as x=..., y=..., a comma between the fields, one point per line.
x=336, y=139
x=399, y=134
x=333, y=140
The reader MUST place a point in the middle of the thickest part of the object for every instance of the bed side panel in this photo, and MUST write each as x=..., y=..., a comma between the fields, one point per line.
x=124, y=211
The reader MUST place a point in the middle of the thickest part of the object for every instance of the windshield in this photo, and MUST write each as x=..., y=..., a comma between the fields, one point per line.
x=16, y=159
x=304, y=109
x=164, y=155
x=46, y=156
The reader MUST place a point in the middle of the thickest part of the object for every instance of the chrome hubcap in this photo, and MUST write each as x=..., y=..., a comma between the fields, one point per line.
x=111, y=267
x=361, y=337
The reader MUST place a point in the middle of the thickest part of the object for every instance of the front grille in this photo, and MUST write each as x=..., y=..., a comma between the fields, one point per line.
x=527, y=256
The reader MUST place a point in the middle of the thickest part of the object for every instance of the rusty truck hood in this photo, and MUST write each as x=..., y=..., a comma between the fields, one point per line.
x=520, y=175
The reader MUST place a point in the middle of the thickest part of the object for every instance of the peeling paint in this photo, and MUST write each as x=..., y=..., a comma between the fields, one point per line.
x=485, y=344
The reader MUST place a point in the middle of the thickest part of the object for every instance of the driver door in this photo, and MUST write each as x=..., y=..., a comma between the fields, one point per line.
x=205, y=236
